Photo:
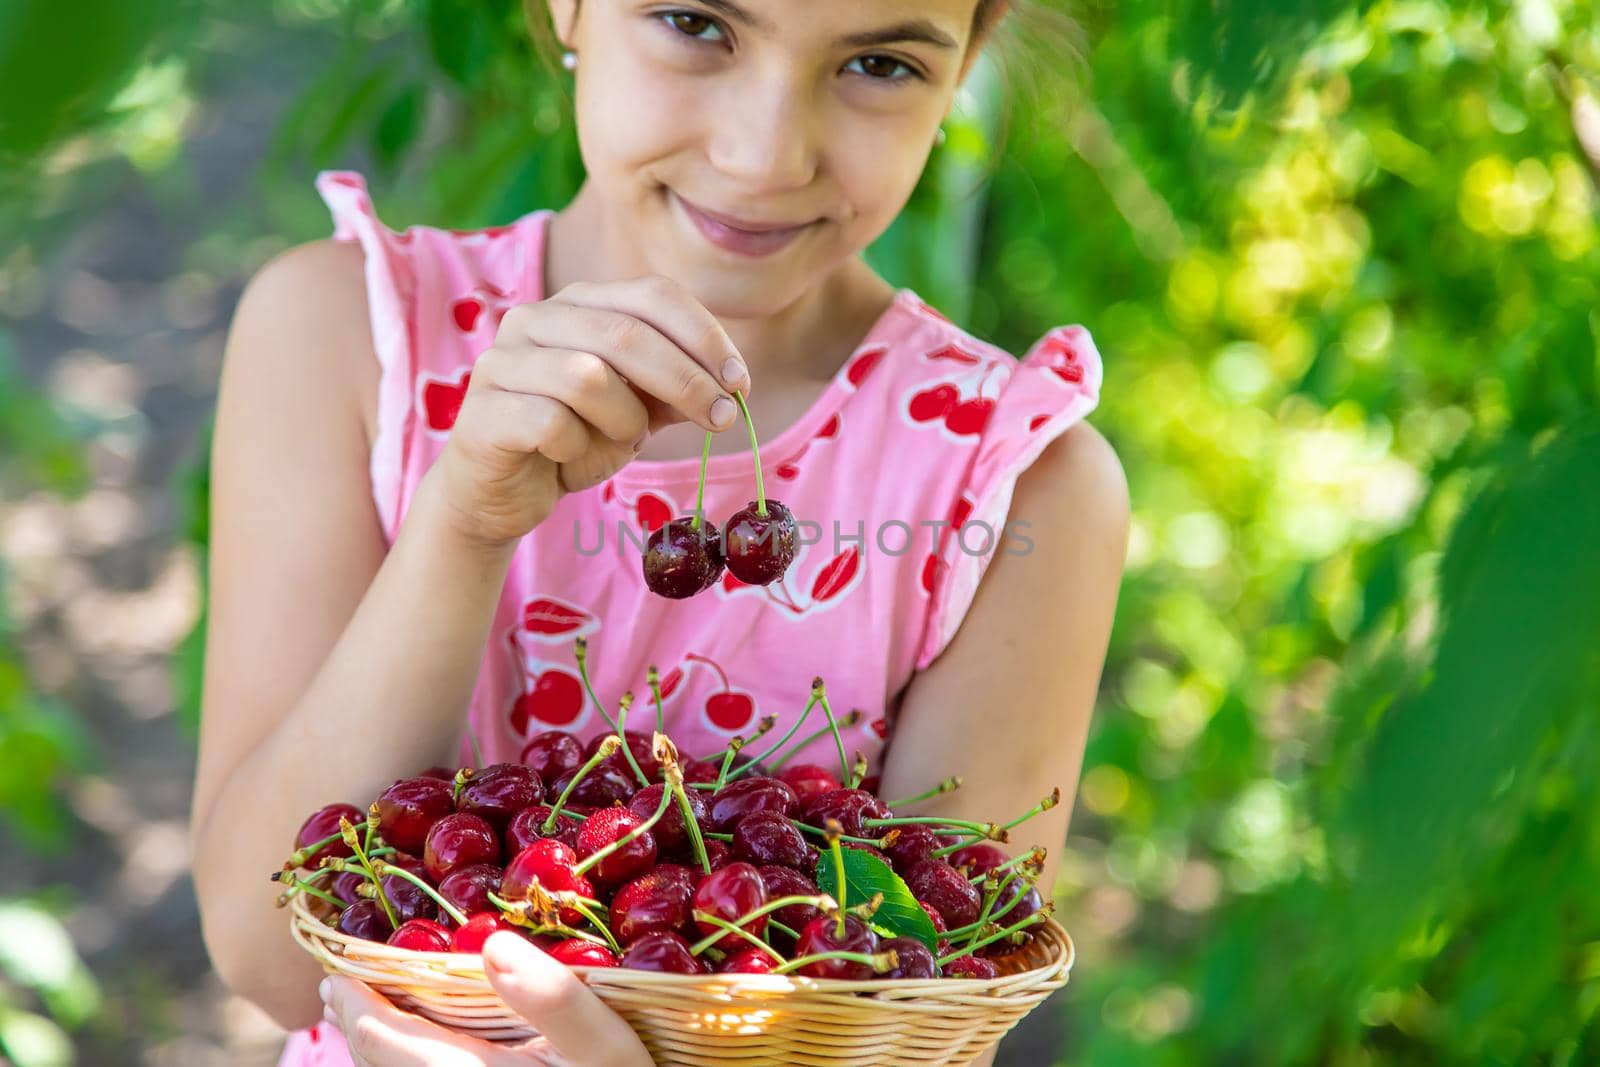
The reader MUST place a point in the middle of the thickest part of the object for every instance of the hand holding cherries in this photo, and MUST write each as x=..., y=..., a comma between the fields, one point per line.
x=798, y=871
x=758, y=542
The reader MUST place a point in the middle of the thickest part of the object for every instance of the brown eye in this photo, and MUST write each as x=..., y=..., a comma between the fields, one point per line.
x=882, y=68
x=689, y=24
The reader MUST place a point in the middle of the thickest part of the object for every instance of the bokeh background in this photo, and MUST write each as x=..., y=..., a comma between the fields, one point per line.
x=1341, y=258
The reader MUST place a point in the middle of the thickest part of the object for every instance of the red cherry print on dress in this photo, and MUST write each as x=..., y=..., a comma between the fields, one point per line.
x=830, y=428
x=953, y=354
x=836, y=577
x=465, y=312
x=441, y=400
x=653, y=511
x=732, y=709
x=1061, y=355
x=858, y=369
x=555, y=699
x=927, y=309
x=608, y=492
x=930, y=572
x=552, y=619
x=881, y=728
x=787, y=471
x=1037, y=421
x=933, y=404
x=969, y=417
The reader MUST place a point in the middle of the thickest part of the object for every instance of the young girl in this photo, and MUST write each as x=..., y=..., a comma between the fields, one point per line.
x=427, y=444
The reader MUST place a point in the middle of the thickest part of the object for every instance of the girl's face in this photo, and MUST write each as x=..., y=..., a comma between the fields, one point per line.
x=748, y=148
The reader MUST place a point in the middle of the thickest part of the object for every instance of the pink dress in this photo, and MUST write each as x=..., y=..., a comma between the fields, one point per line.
x=901, y=472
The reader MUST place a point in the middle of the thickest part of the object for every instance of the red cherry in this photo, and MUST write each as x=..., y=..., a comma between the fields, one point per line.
x=680, y=560
x=602, y=787
x=552, y=753
x=458, y=840
x=766, y=837
x=527, y=826
x=938, y=925
x=549, y=863
x=822, y=935
x=970, y=967
x=933, y=404
x=936, y=883
x=788, y=882
x=408, y=809
x=672, y=837
x=324, y=822
x=365, y=919
x=759, y=547
x=421, y=935
x=980, y=858
x=468, y=888
x=499, y=791
x=408, y=899
x=740, y=798
x=659, y=902
x=718, y=854
x=849, y=807
x=603, y=829
x=969, y=418
x=642, y=746
x=730, y=894
x=346, y=885
x=915, y=961
x=469, y=938
x=580, y=953
x=807, y=780
x=912, y=844
x=667, y=953
x=695, y=770
x=749, y=960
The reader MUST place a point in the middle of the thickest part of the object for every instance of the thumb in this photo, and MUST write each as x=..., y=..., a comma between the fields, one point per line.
x=556, y=1003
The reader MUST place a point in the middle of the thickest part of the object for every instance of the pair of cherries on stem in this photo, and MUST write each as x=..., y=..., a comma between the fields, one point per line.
x=687, y=555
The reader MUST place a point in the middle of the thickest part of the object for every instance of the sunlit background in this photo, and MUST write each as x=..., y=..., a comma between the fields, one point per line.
x=1341, y=259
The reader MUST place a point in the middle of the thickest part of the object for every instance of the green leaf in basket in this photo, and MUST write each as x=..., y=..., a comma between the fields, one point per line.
x=865, y=875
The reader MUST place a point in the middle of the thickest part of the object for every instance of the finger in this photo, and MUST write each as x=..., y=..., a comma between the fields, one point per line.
x=603, y=458
x=525, y=425
x=576, y=1023
x=638, y=351
x=682, y=319
x=583, y=381
x=381, y=1035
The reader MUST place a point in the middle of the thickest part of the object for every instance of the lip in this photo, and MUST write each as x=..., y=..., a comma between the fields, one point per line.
x=742, y=237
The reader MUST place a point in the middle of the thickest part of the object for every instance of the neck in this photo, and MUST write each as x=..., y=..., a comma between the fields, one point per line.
x=807, y=339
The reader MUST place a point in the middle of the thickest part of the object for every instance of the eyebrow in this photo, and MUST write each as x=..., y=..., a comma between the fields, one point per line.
x=915, y=30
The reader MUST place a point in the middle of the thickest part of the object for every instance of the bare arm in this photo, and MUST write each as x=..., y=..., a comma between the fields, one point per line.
x=332, y=668
x=1007, y=705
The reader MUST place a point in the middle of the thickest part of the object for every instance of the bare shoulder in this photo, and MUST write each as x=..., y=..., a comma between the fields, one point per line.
x=1077, y=482
x=304, y=316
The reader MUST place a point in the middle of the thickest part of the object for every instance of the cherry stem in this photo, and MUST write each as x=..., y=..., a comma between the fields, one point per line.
x=820, y=692
x=718, y=921
x=875, y=842
x=989, y=830
x=456, y=915
x=627, y=750
x=372, y=825
x=1037, y=917
x=993, y=888
x=727, y=761
x=834, y=832
x=653, y=680
x=763, y=728
x=302, y=856
x=711, y=835
x=517, y=913
x=350, y=838
x=774, y=924
x=1038, y=809
x=581, y=654
x=878, y=961
x=755, y=449
x=824, y=901
x=1034, y=856
x=949, y=785
x=691, y=825
x=700, y=493
x=849, y=720
x=601, y=754
x=858, y=772
x=775, y=749
x=971, y=839
x=304, y=886
x=632, y=835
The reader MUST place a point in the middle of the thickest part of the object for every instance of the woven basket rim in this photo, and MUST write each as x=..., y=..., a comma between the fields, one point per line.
x=410, y=965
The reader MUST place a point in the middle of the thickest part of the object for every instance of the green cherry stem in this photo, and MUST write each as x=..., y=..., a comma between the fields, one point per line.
x=1034, y=856
x=1038, y=809
x=607, y=748
x=838, y=869
x=690, y=823
x=456, y=914
x=301, y=856
x=820, y=692
x=763, y=728
x=878, y=961
x=774, y=924
x=581, y=654
x=949, y=785
x=653, y=680
x=875, y=842
x=755, y=450
x=627, y=750
x=1037, y=917
x=700, y=493
x=823, y=901
x=302, y=885
x=775, y=749
x=992, y=890
x=849, y=720
x=352, y=840
x=727, y=761
x=737, y=931
x=989, y=830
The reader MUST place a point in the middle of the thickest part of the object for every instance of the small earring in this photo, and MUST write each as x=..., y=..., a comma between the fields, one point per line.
x=569, y=60
x=938, y=137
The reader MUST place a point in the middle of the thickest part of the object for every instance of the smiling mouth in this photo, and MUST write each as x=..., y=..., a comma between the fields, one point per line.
x=741, y=237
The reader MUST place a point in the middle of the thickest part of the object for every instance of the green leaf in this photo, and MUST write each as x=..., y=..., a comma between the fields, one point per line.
x=866, y=875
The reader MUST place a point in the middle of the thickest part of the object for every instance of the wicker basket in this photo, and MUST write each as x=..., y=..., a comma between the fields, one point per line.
x=714, y=1020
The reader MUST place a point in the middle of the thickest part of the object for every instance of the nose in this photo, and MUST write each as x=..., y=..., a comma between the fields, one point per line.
x=763, y=136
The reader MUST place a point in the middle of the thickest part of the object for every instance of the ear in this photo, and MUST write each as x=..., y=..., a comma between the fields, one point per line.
x=564, y=17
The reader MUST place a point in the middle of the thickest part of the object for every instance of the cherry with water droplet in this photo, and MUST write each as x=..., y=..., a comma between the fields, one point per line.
x=365, y=919
x=498, y=792
x=730, y=894
x=663, y=952
x=421, y=935
x=458, y=840
x=682, y=559
x=823, y=934
x=408, y=809
x=760, y=545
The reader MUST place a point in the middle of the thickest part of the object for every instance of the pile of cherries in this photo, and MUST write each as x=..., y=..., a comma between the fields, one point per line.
x=687, y=555
x=621, y=853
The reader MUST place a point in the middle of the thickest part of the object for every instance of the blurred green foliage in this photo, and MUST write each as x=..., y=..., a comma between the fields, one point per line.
x=1342, y=261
